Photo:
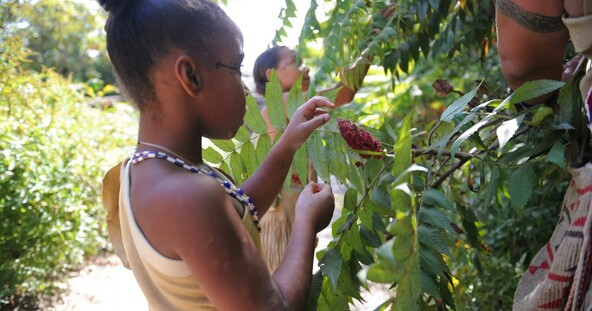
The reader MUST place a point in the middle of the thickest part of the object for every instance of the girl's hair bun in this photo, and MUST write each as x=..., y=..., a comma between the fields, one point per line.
x=115, y=7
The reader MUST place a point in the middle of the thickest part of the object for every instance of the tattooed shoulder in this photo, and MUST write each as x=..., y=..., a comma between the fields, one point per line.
x=529, y=20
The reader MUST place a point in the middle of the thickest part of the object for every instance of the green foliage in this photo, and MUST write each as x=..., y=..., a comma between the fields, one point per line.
x=55, y=146
x=66, y=36
x=462, y=174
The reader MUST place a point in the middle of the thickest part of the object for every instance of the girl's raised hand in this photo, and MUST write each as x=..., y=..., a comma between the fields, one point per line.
x=315, y=206
x=305, y=120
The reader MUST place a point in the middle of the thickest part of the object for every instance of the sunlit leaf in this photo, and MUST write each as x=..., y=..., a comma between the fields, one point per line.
x=253, y=119
x=224, y=145
x=263, y=147
x=507, y=130
x=274, y=100
x=211, y=156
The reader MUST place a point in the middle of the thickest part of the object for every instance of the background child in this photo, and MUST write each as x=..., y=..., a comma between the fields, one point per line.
x=188, y=234
x=276, y=228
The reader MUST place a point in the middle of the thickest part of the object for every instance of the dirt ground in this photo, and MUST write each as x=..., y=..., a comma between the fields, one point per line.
x=104, y=284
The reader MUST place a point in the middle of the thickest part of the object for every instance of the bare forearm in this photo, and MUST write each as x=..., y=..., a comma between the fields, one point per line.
x=294, y=275
x=266, y=182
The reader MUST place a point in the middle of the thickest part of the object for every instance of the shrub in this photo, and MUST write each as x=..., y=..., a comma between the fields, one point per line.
x=54, y=149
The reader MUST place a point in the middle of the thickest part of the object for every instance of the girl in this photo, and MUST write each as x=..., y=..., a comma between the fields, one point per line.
x=278, y=225
x=188, y=234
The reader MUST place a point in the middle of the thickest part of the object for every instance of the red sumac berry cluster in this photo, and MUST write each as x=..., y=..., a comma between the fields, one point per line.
x=359, y=139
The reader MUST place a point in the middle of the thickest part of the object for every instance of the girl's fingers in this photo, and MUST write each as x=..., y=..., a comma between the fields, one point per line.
x=319, y=101
x=319, y=112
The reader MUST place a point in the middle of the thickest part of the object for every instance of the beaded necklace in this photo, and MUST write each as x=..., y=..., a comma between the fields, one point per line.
x=230, y=188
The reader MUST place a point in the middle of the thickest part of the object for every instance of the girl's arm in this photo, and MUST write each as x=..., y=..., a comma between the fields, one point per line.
x=264, y=185
x=206, y=233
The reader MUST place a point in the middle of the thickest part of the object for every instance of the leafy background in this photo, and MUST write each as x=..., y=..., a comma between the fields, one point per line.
x=469, y=189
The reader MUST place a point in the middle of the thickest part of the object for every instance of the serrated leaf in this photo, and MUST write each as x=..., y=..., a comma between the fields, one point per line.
x=428, y=286
x=236, y=167
x=315, y=290
x=380, y=196
x=349, y=284
x=336, y=157
x=350, y=199
x=458, y=105
x=316, y=154
x=466, y=134
x=492, y=184
x=295, y=98
x=436, y=198
x=274, y=100
x=432, y=262
x=243, y=135
x=409, y=288
x=331, y=265
x=507, y=130
x=403, y=149
x=534, y=89
x=353, y=238
x=253, y=119
x=331, y=299
x=520, y=185
x=557, y=154
x=212, y=156
x=432, y=238
x=300, y=164
x=249, y=157
x=224, y=144
x=569, y=104
x=263, y=147
x=435, y=217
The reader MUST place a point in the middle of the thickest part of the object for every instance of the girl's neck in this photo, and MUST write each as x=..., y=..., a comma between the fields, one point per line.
x=185, y=146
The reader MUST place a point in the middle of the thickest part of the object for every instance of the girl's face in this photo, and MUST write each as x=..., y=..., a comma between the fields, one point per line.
x=224, y=94
x=289, y=69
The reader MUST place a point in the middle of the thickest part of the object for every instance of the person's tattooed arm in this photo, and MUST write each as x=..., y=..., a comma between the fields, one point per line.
x=529, y=20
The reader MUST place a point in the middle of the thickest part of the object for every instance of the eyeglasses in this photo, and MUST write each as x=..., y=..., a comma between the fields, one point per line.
x=236, y=69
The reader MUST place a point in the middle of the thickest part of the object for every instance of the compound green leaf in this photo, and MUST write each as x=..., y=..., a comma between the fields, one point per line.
x=274, y=100
x=316, y=154
x=436, y=198
x=224, y=144
x=253, y=119
x=212, y=156
x=331, y=265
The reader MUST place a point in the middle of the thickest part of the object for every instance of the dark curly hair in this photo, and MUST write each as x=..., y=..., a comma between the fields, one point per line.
x=141, y=32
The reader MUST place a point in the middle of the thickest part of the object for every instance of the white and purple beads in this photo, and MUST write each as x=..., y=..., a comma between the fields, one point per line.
x=230, y=188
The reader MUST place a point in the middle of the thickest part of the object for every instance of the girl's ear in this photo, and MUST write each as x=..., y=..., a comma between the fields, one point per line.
x=188, y=75
x=268, y=74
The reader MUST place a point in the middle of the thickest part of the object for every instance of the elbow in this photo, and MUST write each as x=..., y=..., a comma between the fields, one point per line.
x=518, y=73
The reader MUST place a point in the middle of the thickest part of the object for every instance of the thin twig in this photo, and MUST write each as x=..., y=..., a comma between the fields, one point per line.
x=460, y=155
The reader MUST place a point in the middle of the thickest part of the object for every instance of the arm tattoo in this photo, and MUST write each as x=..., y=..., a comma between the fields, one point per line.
x=529, y=20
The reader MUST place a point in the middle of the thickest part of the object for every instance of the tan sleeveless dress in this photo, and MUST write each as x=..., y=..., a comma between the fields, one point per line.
x=166, y=283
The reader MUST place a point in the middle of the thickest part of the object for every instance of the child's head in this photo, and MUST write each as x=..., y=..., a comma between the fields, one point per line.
x=185, y=53
x=288, y=69
x=141, y=32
